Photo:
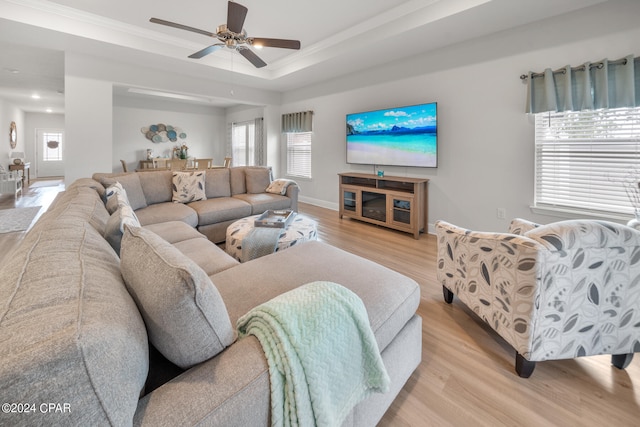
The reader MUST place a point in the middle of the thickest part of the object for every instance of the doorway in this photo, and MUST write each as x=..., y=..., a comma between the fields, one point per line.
x=49, y=152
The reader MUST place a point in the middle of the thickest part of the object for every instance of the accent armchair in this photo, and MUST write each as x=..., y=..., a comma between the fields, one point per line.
x=557, y=291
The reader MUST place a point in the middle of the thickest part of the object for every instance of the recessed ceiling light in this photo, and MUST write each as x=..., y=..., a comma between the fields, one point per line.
x=11, y=70
x=35, y=96
x=49, y=110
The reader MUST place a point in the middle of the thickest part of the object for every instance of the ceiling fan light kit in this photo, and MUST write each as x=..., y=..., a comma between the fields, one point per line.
x=234, y=36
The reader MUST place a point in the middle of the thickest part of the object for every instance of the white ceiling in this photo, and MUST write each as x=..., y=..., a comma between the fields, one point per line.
x=338, y=37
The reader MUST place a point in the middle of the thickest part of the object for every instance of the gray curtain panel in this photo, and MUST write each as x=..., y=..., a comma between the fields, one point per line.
x=590, y=86
x=297, y=122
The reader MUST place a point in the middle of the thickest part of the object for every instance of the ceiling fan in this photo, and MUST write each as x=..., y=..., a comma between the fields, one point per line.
x=233, y=36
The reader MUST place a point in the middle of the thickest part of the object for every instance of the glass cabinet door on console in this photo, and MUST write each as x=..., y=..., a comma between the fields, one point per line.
x=400, y=208
x=349, y=199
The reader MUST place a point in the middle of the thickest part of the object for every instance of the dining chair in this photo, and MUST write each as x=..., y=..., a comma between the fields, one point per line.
x=227, y=162
x=160, y=163
x=178, y=164
x=124, y=165
x=203, y=163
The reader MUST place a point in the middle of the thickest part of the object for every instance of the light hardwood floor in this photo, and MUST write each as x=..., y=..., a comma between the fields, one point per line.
x=466, y=377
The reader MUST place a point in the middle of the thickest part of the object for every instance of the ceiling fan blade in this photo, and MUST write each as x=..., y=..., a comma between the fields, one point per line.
x=235, y=16
x=252, y=57
x=282, y=43
x=182, y=27
x=206, y=51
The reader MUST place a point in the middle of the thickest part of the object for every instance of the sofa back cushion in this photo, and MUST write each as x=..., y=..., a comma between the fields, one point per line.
x=216, y=183
x=186, y=318
x=257, y=179
x=157, y=186
x=131, y=183
x=82, y=204
x=70, y=331
x=237, y=180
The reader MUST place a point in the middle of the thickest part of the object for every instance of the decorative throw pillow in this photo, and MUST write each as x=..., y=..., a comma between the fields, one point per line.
x=188, y=187
x=115, y=225
x=185, y=315
x=111, y=194
x=257, y=179
x=279, y=186
x=131, y=183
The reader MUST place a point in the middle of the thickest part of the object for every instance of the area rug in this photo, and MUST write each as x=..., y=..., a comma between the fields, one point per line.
x=17, y=219
x=47, y=183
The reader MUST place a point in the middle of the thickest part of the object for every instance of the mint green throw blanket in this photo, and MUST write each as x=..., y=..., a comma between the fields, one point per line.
x=322, y=354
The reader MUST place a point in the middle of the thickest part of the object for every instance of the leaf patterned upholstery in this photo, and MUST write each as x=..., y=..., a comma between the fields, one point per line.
x=556, y=291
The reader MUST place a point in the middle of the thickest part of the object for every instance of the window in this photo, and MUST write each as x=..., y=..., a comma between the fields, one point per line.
x=585, y=158
x=51, y=147
x=299, y=154
x=243, y=143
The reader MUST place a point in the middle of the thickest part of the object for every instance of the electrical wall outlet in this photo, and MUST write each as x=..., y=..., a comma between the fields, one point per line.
x=501, y=213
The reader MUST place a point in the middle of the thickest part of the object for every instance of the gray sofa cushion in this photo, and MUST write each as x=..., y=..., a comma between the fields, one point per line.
x=257, y=179
x=221, y=209
x=169, y=211
x=186, y=319
x=206, y=254
x=156, y=186
x=237, y=180
x=79, y=204
x=216, y=183
x=264, y=201
x=131, y=183
x=70, y=331
x=175, y=231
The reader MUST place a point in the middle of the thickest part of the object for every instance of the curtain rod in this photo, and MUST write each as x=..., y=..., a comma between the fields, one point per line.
x=598, y=65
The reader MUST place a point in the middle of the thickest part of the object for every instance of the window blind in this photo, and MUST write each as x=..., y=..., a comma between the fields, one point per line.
x=299, y=154
x=587, y=160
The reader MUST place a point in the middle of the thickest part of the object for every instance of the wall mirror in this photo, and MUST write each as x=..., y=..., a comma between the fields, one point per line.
x=13, y=135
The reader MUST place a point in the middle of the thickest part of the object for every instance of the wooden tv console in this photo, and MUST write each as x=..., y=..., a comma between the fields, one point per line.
x=390, y=201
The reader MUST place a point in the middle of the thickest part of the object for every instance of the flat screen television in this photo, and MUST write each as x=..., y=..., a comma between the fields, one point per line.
x=403, y=136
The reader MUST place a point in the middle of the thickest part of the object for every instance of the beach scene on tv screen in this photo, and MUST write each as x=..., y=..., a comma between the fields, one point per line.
x=405, y=136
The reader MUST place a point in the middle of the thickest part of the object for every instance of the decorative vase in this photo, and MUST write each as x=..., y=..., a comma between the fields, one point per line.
x=635, y=222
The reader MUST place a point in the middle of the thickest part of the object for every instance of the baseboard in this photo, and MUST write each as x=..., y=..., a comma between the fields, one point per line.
x=318, y=202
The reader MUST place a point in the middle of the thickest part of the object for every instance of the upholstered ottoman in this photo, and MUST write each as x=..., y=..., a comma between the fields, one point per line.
x=300, y=230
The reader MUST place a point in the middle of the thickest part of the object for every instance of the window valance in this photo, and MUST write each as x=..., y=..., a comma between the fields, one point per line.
x=590, y=86
x=297, y=122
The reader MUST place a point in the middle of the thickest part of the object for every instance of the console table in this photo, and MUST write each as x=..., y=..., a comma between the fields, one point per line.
x=24, y=167
x=394, y=202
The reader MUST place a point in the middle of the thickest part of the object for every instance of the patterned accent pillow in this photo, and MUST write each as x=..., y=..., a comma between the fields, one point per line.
x=115, y=196
x=188, y=187
x=115, y=226
x=279, y=186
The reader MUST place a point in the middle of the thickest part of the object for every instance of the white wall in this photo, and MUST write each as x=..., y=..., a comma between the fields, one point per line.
x=88, y=127
x=10, y=113
x=486, y=148
x=204, y=126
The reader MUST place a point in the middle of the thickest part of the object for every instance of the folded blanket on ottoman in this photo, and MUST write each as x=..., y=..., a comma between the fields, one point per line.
x=323, y=357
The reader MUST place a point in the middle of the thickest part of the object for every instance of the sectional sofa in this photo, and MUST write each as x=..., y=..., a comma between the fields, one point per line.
x=231, y=194
x=91, y=338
